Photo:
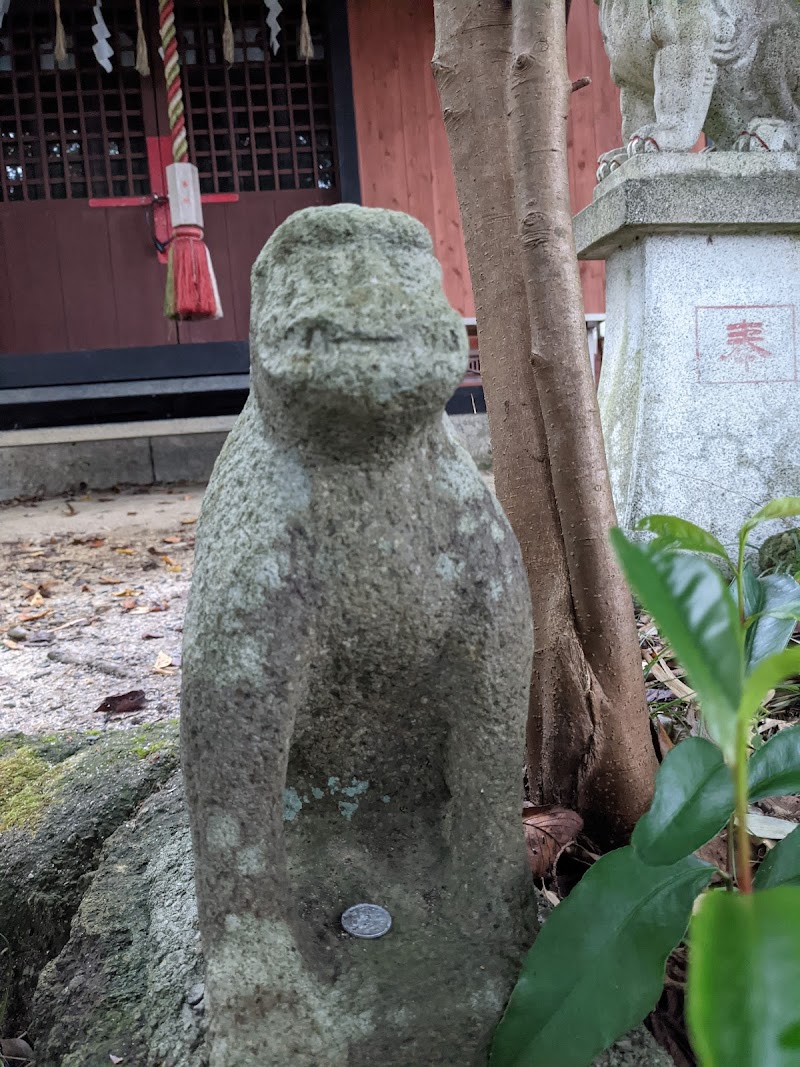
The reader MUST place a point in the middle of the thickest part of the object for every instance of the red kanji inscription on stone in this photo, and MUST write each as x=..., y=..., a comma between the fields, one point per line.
x=737, y=343
x=744, y=338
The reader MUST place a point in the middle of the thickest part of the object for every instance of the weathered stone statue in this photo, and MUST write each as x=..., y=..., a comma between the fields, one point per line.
x=730, y=68
x=356, y=669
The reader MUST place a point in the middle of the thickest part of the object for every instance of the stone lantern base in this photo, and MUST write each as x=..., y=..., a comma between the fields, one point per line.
x=699, y=390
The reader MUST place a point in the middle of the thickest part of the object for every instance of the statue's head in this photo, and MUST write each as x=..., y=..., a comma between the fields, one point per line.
x=350, y=331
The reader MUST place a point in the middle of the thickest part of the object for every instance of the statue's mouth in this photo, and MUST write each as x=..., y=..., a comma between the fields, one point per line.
x=309, y=333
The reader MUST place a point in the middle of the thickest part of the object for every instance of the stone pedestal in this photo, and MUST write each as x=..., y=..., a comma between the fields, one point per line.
x=699, y=389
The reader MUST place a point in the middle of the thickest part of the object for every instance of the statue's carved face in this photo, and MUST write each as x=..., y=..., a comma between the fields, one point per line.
x=352, y=318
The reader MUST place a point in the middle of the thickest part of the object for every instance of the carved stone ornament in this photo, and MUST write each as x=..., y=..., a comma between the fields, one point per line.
x=726, y=68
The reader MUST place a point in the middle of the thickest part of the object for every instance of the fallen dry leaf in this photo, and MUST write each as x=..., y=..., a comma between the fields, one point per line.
x=163, y=664
x=171, y=540
x=175, y=568
x=13, y=645
x=665, y=743
x=168, y=560
x=152, y=637
x=125, y=592
x=188, y=522
x=548, y=830
x=715, y=851
x=126, y=551
x=122, y=704
x=137, y=609
x=35, y=599
x=98, y=542
x=83, y=621
x=110, y=581
x=128, y=604
x=781, y=807
x=32, y=616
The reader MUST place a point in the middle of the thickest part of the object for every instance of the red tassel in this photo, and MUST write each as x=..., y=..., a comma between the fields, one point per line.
x=192, y=291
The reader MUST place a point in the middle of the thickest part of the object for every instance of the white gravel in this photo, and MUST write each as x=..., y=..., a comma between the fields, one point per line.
x=108, y=576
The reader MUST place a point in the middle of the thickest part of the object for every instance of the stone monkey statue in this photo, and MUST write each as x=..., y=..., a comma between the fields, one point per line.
x=356, y=674
x=730, y=68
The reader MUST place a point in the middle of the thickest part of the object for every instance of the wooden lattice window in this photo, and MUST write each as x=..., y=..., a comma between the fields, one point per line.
x=266, y=121
x=75, y=131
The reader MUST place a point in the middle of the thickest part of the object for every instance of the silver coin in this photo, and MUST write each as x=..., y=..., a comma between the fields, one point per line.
x=367, y=920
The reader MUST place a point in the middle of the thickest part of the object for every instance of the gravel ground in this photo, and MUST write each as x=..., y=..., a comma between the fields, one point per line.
x=92, y=596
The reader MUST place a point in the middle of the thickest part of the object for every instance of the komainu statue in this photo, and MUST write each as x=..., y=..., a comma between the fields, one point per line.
x=729, y=68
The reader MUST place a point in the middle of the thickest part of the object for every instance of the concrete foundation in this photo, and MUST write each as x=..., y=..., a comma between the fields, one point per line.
x=71, y=459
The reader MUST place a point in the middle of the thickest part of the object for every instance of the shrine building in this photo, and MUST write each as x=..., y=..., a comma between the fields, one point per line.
x=285, y=105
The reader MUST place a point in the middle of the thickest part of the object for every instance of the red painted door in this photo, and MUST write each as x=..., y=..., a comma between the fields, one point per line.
x=83, y=152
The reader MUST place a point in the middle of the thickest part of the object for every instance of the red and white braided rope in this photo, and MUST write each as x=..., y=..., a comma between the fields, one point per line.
x=172, y=72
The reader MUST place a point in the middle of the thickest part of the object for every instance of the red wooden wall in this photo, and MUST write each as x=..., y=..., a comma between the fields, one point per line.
x=403, y=156
x=402, y=147
x=594, y=126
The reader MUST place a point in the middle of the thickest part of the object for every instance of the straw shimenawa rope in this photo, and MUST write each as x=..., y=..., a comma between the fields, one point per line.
x=305, y=45
x=60, y=44
x=142, y=62
x=227, y=35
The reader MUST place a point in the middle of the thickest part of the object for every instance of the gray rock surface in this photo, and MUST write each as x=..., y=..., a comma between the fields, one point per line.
x=730, y=68
x=356, y=669
x=637, y=1049
x=129, y=982
x=60, y=798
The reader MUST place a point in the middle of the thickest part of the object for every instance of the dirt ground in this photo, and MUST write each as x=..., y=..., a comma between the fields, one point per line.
x=92, y=597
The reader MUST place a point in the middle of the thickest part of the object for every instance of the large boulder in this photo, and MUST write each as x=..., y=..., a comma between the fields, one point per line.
x=129, y=983
x=60, y=799
x=97, y=903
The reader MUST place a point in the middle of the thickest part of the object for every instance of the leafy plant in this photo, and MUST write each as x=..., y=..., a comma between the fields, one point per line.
x=597, y=967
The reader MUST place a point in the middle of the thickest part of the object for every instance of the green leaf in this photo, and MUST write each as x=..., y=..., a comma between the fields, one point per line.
x=744, y=974
x=778, y=607
x=752, y=590
x=765, y=676
x=783, y=508
x=597, y=967
x=693, y=801
x=781, y=865
x=690, y=603
x=774, y=771
x=680, y=533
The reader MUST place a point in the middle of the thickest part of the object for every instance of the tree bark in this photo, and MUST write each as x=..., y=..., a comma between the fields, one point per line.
x=502, y=78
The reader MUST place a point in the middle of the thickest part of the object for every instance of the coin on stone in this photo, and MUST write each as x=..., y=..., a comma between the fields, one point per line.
x=367, y=920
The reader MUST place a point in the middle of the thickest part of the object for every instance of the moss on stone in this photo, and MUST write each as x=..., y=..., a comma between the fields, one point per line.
x=32, y=770
x=28, y=784
x=61, y=797
x=781, y=552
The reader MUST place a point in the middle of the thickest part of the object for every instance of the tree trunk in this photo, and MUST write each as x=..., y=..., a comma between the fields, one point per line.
x=501, y=73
